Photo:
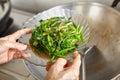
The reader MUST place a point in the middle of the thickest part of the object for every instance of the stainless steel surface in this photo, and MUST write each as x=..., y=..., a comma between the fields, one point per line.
x=34, y=63
x=83, y=66
x=82, y=48
x=102, y=62
x=5, y=76
x=83, y=69
x=81, y=20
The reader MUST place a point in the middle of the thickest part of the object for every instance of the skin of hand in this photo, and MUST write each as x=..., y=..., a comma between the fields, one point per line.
x=64, y=70
x=10, y=49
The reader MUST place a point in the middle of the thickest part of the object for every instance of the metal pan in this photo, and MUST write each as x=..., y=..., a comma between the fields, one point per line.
x=102, y=62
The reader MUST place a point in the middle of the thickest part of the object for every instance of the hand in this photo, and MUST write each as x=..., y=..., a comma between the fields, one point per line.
x=63, y=70
x=10, y=49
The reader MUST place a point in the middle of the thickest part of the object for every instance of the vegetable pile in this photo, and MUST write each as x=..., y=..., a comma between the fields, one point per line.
x=56, y=37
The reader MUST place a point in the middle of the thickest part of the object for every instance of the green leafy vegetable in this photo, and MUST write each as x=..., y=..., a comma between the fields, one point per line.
x=56, y=37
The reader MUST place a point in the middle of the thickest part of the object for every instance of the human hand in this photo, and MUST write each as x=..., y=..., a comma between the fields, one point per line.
x=63, y=70
x=10, y=49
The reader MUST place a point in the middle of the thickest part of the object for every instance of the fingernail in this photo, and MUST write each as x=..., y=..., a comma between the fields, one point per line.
x=75, y=53
x=23, y=46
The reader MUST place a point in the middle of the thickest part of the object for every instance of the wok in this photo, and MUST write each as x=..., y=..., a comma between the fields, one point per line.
x=102, y=62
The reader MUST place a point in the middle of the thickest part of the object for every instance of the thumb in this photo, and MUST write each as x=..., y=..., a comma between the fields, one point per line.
x=8, y=44
x=77, y=60
x=19, y=33
x=58, y=66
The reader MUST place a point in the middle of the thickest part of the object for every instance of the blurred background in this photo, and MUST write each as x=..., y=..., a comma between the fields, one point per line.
x=19, y=11
x=14, y=13
x=35, y=6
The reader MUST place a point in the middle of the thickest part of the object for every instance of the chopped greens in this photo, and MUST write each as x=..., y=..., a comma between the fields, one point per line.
x=56, y=37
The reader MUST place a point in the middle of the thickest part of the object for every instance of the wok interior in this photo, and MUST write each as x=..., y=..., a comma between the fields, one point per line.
x=102, y=62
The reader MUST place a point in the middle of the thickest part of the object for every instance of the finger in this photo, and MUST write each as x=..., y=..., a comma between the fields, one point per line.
x=21, y=54
x=48, y=66
x=4, y=57
x=58, y=66
x=25, y=55
x=68, y=64
x=11, y=53
x=17, y=54
x=77, y=60
x=15, y=45
x=78, y=78
x=19, y=33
